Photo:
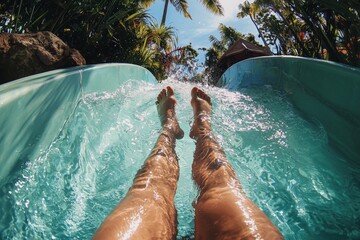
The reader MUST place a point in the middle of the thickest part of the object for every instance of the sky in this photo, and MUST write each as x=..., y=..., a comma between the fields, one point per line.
x=203, y=23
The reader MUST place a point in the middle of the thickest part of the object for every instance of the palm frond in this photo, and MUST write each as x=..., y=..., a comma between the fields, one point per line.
x=213, y=6
x=182, y=7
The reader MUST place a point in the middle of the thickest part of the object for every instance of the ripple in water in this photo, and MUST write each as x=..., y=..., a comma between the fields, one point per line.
x=283, y=161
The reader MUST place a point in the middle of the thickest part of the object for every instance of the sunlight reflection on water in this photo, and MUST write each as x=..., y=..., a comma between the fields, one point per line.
x=283, y=162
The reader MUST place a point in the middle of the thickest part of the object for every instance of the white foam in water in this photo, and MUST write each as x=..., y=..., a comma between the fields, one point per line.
x=283, y=161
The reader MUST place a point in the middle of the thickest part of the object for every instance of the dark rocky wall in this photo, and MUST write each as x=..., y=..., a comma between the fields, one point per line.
x=22, y=55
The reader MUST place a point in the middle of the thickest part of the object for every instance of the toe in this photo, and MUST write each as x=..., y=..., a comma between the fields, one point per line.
x=194, y=92
x=170, y=91
x=161, y=95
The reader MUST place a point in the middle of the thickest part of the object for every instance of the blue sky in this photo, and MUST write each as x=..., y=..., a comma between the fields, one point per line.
x=203, y=23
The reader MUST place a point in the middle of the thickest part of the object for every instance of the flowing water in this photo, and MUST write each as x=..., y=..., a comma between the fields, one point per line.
x=282, y=160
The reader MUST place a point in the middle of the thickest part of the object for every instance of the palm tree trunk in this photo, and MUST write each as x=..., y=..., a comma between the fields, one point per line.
x=260, y=33
x=295, y=34
x=327, y=38
x=164, y=12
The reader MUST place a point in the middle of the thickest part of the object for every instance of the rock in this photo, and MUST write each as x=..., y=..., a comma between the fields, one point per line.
x=30, y=53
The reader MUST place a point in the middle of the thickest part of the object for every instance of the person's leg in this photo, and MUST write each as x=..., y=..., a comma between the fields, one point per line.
x=148, y=211
x=222, y=210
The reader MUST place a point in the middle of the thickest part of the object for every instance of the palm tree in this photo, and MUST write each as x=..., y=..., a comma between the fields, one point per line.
x=284, y=9
x=323, y=28
x=228, y=36
x=154, y=41
x=181, y=6
x=321, y=19
x=103, y=31
x=247, y=9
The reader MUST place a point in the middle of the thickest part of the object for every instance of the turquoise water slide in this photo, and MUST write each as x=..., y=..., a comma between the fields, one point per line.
x=35, y=108
x=324, y=91
x=71, y=141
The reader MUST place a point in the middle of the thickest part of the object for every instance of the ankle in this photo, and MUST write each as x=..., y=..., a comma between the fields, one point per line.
x=171, y=127
x=201, y=130
x=168, y=122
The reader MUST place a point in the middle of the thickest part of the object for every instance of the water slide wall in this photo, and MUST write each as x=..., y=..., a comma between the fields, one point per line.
x=325, y=92
x=34, y=109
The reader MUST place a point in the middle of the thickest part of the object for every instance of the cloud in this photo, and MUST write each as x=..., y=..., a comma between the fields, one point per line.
x=230, y=9
x=210, y=22
x=205, y=23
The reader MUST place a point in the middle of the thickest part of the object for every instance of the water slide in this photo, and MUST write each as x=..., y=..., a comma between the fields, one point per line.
x=45, y=181
x=35, y=108
x=324, y=91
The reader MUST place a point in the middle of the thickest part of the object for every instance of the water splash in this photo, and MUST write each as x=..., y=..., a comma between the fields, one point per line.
x=283, y=162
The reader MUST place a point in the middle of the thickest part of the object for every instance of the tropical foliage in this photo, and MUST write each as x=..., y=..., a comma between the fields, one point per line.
x=228, y=36
x=324, y=29
x=181, y=6
x=122, y=30
x=327, y=29
x=102, y=30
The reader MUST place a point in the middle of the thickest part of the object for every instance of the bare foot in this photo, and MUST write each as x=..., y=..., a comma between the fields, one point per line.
x=166, y=109
x=201, y=104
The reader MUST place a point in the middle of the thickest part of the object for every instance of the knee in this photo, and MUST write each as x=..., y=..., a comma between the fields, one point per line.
x=216, y=164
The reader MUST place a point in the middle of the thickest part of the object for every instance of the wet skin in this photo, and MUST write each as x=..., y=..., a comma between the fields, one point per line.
x=148, y=210
x=222, y=210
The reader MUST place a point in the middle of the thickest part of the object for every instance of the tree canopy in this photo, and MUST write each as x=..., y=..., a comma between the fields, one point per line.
x=228, y=36
x=102, y=30
x=123, y=31
x=181, y=6
x=325, y=29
